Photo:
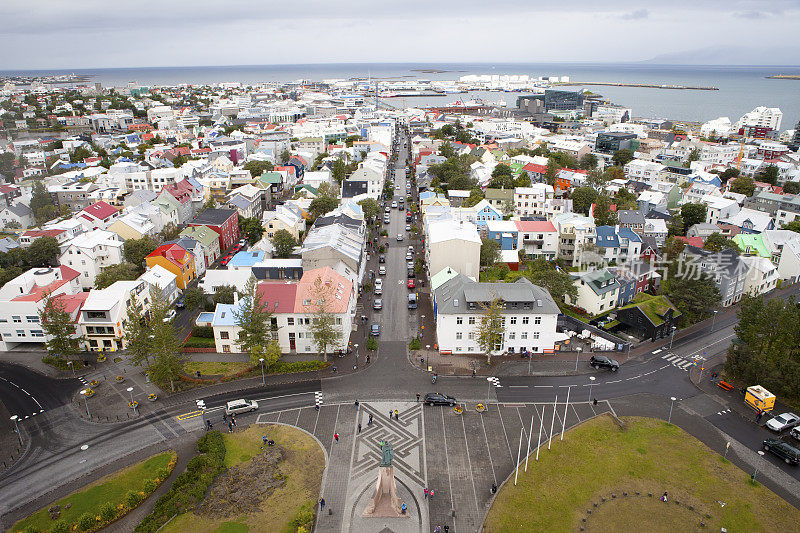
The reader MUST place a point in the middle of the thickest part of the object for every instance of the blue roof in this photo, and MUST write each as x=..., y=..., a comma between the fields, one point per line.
x=607, y=237
x=246, y=259
x=224, y=315
x=628, y=233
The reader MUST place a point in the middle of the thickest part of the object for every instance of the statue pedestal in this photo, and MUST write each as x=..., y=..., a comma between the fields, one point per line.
x=386, y=503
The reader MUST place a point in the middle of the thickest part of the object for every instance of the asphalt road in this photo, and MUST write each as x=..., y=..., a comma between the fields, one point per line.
x=26, y=393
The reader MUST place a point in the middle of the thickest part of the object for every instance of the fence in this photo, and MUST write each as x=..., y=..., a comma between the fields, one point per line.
x=566, y=322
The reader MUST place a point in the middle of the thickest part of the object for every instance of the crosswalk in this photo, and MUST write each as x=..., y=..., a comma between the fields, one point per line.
x=678, y=362
x=318, y=398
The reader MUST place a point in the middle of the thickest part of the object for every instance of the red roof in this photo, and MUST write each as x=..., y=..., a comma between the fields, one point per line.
x=36, y=233
x=697, y=242
x=147, y=136
x=100, y=210
x=37, y=293
x=534, y=225
x=182, y=150
x=174, y=253
x=278, y=296
x=533, y=167
x=201, y=150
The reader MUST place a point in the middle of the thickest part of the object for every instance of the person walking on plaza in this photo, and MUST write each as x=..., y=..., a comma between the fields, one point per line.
x=396, y=415
x=430, y=494
x=417, y=396
x=233, y=419
x=426, y=493
x=356, y=405
x=370, y=420
x=230, y=426
x=336, y=437
x=321, y=504
x=359, y=427
x=209, y=425
x=390, y=414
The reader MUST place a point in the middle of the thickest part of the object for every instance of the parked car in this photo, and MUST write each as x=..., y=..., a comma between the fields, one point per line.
x=170, y=315
x=242, y=243
x=412, y=300
x=240, y=406
x=408, y=227
x=784, y=450
x=386, y=220
x=382, y=258
x=783, y=422
x=411, y=273
x=180, y=303
x=378, y=286
x=375, y=330
x=394, y=205
x=437, y=398
x=382, y=270
x=377, y=304
x=411, y=284
x=601, y=361
x=399, y=237
x=795, y=433
x=409, y=256
x=225, y=260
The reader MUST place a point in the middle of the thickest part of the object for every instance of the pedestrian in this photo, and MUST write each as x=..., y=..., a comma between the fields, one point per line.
x=359, y=427
x=367, y=358
x=209, y=425
x=403, y=508
x=356, y=405
x=224, y=416
x=759, y=415
x=438, y=529
x=664, y=497
x=446, y=528
x=264, y=440
x=233, y=419
x=417, y=396
x=336, y=437
x=426, y=493
x=316, y=407
x=230, y=426
x=396, y=415
x=390, y=414
x=430, y=494
x=473, y=372
x=334, y=369
x=321, y=503
x=370, y=420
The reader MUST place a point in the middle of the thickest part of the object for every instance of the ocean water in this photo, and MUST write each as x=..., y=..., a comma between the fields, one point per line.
x=741, y=88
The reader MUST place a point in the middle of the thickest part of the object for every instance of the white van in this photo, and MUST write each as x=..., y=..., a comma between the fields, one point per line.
x=240, y=406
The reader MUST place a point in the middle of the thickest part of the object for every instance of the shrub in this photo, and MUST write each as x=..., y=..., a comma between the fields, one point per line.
x=163, y=474
x=372, y=344
x=32, y=529
x=415, y=344
x=132, y=498
x=60, y=527
x=108, y=512
x=149, y=486
x=205, y=332
x=198, y=342
x=86, y=522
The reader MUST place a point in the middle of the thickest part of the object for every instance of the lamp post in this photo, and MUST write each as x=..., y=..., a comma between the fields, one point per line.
x=671, y=403
x=758, y=463
x=591, y=382
x=713, y=319
x=133, y=405
x=70, y=363
x=263, y=378
x=16, y=428
x=672, y=337
x=86, y=400
x=85, y=450
x=356, y=347
x=492, y=381
x=577, y=354
x=201, y=405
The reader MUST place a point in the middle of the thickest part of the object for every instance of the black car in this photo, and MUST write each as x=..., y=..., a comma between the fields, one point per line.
x=411, y=273
x=436, y=398
x=785, y=451
x=601, y=361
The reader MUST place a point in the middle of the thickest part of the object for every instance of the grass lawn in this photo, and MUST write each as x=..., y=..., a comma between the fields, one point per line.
x=303, y=464
x=110, y=489
x=597, y=459
x=216, y=368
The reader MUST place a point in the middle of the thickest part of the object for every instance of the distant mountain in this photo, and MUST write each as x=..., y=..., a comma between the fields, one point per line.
x=731, y=55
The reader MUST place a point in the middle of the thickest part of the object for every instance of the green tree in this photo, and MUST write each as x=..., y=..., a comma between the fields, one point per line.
x=522, y=180
x=675, y=226
x=625, y=199
x=622, y=157
x=284, y=243
x=257, y=168
x=7, y=165
x=769, y=175
x=794, y=225
x=136, y=332
x=692, y=214
x=694, y=297
x=43, y=252
x=588, y=162
x=475, y=196
x=251, y=229
x=338, y=171
x=490, y=252
x=791, y=187
x=79, y=154
x=544, y=274
x=322, y=205
x=603, y=215
x=60, y=331
x=446, y=150
x=324, y=330
x=729, y=173
x=743, y=185
x=165, y=348
x=114, y=273
x=583, y=198
x=371, y=209
x=137, y=249
x=253, y=318
x=502, y=177
x=328, y=190
x=224, y=294
x=194, y=297
x=285, y=157
x=614, y=173
x=490, y=329
x=716, y=242
x=551, y=172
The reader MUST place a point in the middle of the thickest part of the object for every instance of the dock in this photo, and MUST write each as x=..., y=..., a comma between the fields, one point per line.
x=640, y=85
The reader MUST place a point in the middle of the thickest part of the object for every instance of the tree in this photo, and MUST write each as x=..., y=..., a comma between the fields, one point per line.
x=179, y=161
x=551, y=172
x=544, y=274
x=338, y=171
x=675, y=226
x=251, y=229
x=622, y=157
x=284, y=243
x=769, y=175
x=522, y=180
x=285, y=157
x=446, y=150
x=270, y=353
x=43, y=252
x=114, y=273
x=716, y=242
x=508, y=208
x=729, y=173
x=692, y=214
x=166, y=361
x=490, y=252
x=253, y=318
x=791, y=187
x=625, y=199
x=79, y=154
x=59, y=329
x=603, y=215
x=614, y=173
x=322, y=205
x=370, y=208
x=224, y=294
x=588, y=162
x=794, y=225
x=502, y=177
x=583, y=198
x=324, y=330
x=475, y=196
x=136, y=332
x=137, y=249
x=193, y=297
x=257, y=168
x=328, y=190
x=672, y=248
x=7, y=164
x=491, y=327
x=743, y=185
x=694, y=297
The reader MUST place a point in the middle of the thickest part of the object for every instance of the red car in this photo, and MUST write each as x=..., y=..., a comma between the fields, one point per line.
x=411, y=284
x=225, y=260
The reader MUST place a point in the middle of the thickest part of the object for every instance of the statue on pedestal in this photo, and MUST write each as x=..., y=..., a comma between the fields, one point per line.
x=386, y=503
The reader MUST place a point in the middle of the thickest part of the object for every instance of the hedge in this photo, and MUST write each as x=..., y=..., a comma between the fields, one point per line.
x=190, y=486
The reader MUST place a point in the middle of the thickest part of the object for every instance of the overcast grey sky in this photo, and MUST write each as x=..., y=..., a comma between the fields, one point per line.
x=121, y=33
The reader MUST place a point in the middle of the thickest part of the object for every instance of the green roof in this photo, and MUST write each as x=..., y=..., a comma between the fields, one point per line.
x=752, y=244
x=271, y=178
x=653, y=307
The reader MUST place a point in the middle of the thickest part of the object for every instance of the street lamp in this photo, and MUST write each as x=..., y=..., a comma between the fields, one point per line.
x=758, y=463
x=84, y=392
x=16, y=428
x=85, y=449
x=591, y=382
x=672, y=337
x=263, y=378
x=201, y=405
x=577, y=354
x=672, y=401
x=356, y=347
x=133, y=405
x=492, y=381
x=713, y=319
x=73, y=367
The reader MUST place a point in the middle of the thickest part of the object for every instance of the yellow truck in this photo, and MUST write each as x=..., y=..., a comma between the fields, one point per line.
x=759, y=398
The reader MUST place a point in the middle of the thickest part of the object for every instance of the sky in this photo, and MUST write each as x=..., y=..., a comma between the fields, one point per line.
x=56, y=34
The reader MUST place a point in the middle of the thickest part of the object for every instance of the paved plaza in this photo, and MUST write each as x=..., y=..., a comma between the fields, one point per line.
x=458, y=456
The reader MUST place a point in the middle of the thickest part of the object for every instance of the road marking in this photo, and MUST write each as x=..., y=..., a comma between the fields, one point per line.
x=655, y=352
x=543, y=386
x=189, y=415
x=609, y=382
x=517, y=386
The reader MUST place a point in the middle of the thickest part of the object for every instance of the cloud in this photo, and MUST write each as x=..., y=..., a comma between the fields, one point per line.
x=638, y=14
x=751, y=15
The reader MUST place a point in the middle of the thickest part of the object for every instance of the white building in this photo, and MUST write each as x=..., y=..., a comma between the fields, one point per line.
x=530, y=201
x=104, y=314
x=529, y=315
x=163, y=280
x=765, y=117
x=452, y=244
x=645, y=171
x=89, y=253
x=762, y=275
x=718, y=127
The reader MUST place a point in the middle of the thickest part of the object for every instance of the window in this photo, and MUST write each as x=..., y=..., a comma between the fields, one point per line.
x=512, y=336
x=95, y=314
x=523, y=335
x=458, y=348
x=223, y=335
x=513, y=319
x=32, y=319
x=290, y=321
x=471, y=335
x=37, y=333
x=20, y=333
x=525, y=320
x=459, y=336
x=471, y=320
x=537, y=320
x=535, y=334
x=338, y=321
x=17, y=319
x=459, y=320
x=226, y=348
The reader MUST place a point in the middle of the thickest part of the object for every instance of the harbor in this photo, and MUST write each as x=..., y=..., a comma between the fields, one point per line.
x=637, y=85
